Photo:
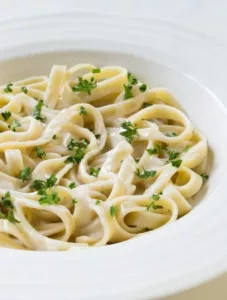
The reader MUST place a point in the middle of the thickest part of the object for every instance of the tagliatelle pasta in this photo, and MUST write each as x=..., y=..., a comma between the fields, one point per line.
x=92, y=159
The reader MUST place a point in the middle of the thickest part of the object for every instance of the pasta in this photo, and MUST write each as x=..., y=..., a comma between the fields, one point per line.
x=91, y=157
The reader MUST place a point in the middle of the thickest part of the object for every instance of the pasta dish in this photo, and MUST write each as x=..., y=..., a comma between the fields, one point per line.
x=92, y=156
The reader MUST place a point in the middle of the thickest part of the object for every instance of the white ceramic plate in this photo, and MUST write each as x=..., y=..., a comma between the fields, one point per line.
x=172, y=258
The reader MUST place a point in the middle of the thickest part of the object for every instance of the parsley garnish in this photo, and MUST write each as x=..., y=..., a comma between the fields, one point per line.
x=156, y=150
x=173, y=155
x=74, y=201
x=25, y=174
x=113, y=210
x=8, y=88
x=145, y=173
x=154, y=197
x=146, y=104
x=24, y=89
x=7, y=209
x=128, y=92
x=171, y=134
x=37, y=111
x=96, y=71
x=97, y=202
x=94, y=172
x=6, y=115
x=83, y=111
x=143, y=87
x=41, y=185
x=186, y=148
x=176, y=163
x=14, y=125
x=85, y=85
x=78, y=156
x=54, y=137
x=130, y=131
x=39, y=152
x=132, y=79
x=72, y=185
x=204, y=176
x=80, y=144
x=49, y=199
x=98, y=136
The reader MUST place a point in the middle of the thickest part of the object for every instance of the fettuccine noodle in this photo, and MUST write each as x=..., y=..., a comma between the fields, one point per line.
x=92, y=157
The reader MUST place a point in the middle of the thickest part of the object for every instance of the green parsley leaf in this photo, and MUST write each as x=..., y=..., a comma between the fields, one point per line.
x=128, y=92
x=78, y=156
x=146, y=104
x=49, y=199
x=11, y=217
x=132, y=79
x=14, y=125
x=24, y=89
x=154, y=206
x=171, y=134
x=97, y=202
x=83, y=111
x=173, y=155
x=130, y=131
x=113, y=210
x=6, y=200
x=39, y=152
x=204, y=176
x=143, y=87
x=94, y=172
x=176, y=163
x=37, y=111
x=8, y=88
x=54, y=137
x=145, y=174
x=51, y=181
x=96, y=71
x=74, y=201
x=152, y=151
x=72, y=185
x=85, y=85
x=186, y=148
x=98, y=136
x=6, y=115
x=25, y=174
x=80, y=144
x=39, y=185
x=155, y=197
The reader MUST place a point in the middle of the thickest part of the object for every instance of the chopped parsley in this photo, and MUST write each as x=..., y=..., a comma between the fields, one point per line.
x=130, y=131
x=83, y=111
x=172, y=155
x=54, y=137
x=7, y=209
x=80, y=144
x=94, y=172
x=74, y=201
x=85, y=85
x=49, y=199
x=113, y=210
x=72, y=185
x=77, y=157
x=96, y=71
x=14, y=125
x=24, y=89
x=154, y=198
x=146, y=104
x=41, y=186
x=171, y=134
x=128, y=92
x=37, y=111
x=25, y=174
x=132, y=79
x=8, y=88
x=143, y=87
x=40, y=152
x=204, y=176
x=6, y=115
x=186, y=148
x=51, y=181
x=98, y=136
x=97, y=202
x=145, y=173
x=156, y=150
x=176, y=163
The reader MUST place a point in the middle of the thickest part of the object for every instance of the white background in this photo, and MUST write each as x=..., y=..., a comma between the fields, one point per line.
x=208, y=16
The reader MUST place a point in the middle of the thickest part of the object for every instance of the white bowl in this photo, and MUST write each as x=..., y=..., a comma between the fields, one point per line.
x=174, y=257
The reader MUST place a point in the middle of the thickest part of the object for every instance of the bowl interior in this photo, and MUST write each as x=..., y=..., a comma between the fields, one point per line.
x=202, y=107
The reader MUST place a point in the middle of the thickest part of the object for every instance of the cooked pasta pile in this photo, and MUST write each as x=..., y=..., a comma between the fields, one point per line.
x=92, y=159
